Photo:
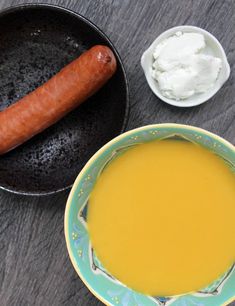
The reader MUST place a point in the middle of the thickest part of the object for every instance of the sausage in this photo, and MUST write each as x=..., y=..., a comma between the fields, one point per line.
x=58, y=96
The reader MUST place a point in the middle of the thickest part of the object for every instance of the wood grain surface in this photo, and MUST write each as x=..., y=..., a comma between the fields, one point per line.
x=34, y=265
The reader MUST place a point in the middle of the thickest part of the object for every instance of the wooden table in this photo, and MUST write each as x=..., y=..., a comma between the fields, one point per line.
x=34, y=265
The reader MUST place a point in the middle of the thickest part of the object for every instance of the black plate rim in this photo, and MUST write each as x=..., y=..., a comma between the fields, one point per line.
x=101, y=33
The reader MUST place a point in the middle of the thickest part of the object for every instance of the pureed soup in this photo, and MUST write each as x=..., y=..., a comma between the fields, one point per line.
x=161, y=217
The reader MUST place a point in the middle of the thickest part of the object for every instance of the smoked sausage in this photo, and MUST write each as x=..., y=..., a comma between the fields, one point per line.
x=54, y=99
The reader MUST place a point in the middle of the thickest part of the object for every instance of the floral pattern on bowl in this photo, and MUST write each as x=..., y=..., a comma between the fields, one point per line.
x=103, y=285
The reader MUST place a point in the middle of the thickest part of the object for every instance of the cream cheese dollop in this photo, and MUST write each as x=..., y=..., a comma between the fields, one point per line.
x=182, y=68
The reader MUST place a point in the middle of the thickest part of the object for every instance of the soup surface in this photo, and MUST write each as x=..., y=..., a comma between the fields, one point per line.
x=161, y=217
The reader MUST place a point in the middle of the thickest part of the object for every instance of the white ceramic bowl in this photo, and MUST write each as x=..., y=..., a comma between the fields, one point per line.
x=213, y=47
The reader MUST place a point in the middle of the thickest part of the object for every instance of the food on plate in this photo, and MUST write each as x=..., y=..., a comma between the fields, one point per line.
x=184, y=67
x=58, y=96
x=161, y=217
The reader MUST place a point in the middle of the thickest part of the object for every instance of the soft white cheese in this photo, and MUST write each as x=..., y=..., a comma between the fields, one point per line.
x=182, y=69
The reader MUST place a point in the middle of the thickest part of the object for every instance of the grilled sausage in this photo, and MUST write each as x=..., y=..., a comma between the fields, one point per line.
x=54, y=99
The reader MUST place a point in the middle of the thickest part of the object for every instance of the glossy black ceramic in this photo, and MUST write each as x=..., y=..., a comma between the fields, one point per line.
x=36, y=41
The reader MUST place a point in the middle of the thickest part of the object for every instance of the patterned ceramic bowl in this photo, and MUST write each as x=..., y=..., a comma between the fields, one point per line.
x=105, y=287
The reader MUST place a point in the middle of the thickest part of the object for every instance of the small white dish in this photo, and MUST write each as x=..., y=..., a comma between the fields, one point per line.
x=213, y=47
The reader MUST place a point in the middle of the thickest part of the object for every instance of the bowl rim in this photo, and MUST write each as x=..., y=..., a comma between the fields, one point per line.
x=62, y=9
x=208, y=95
x=93, y=159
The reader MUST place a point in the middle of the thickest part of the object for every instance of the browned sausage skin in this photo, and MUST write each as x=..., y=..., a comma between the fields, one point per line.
x=62, y=93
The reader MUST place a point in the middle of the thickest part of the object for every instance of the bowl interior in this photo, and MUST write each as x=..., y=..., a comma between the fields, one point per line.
x=87, y=265
x=36, y=42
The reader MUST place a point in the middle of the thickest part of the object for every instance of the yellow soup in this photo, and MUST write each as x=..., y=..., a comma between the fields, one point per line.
x=161, y=217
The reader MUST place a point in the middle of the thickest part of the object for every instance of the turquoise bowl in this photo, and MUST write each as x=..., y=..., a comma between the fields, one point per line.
x=103, y=285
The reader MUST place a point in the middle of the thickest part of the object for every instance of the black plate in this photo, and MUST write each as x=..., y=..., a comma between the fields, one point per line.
x=36, y=41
